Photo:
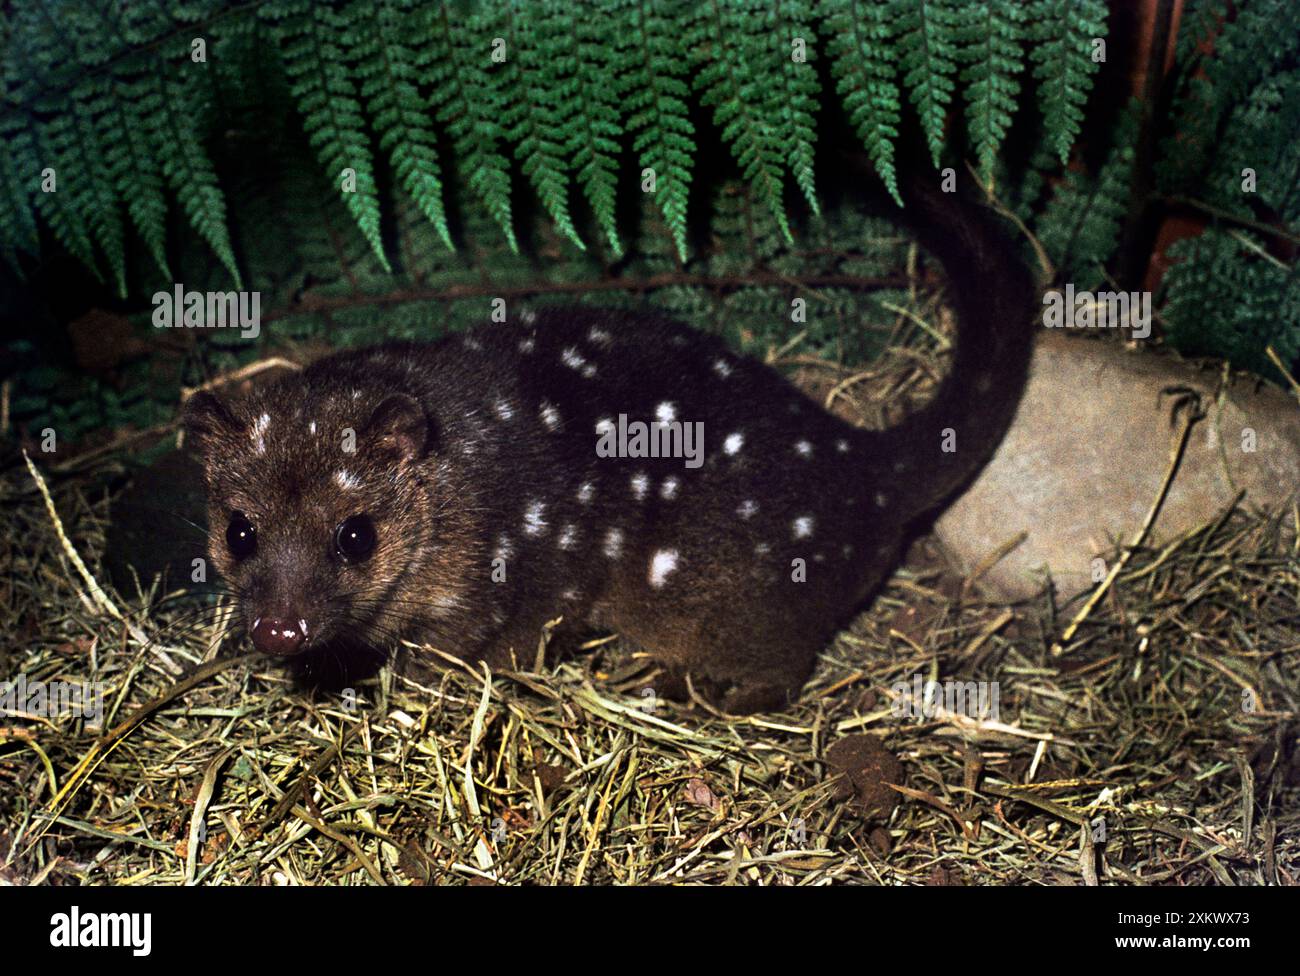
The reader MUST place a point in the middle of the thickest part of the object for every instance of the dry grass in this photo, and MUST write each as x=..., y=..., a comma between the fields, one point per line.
x=1171, y=718
x=1159, y=748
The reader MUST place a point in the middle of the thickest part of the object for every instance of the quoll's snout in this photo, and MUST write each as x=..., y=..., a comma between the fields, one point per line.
x=280, y=636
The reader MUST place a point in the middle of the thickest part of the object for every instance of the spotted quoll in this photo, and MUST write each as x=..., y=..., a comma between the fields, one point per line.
x=463, y=493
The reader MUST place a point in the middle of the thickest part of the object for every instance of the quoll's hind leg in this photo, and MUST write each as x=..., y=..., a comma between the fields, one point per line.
x=756, y=665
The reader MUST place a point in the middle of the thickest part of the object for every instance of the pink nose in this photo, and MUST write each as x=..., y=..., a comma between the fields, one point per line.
x=279, y=635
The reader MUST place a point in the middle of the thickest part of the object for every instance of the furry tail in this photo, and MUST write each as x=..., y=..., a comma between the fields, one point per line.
x=939, y=448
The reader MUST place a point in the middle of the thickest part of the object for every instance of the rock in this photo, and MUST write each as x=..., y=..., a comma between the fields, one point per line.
x=1086, y=455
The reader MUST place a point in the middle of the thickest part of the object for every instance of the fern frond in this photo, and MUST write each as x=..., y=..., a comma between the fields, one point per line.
x=992, y=32
x=1080, y=227
x=1256, y=303
x=63, y=211
x=312, y=39
x=542, y=123
x=1063, y=64
x=860, y=40
x=164, y=111
x=130, y=162
x=655, y=97
x=89, y=100
x=388, y=66
x=928, y=45
x=472, y=108
x=17, y=217
x=794, y=90
x=596, y=128
x=727, y=41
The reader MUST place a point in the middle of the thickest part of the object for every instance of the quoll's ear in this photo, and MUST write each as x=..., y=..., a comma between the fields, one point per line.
x=399, y=426
x=208, y=422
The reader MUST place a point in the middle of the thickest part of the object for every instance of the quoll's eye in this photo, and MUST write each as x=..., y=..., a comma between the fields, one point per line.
x=355, y=538
x=241, y=537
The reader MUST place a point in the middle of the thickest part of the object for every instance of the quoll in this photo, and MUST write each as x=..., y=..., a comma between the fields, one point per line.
x=452, y=494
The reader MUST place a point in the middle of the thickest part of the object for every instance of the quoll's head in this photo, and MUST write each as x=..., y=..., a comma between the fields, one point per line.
x=317, y=509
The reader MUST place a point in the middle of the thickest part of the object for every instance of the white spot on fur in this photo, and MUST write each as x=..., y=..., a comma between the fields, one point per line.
x=570, y=596
x=589, y=370
x=346, y=480
x=550, y=415
x=473, y=344
x=527, y=345
x=505, y=548
x=733, y=443
x=846, y=551
x=640, y=485
x=534, y=518
x=762, y=548
x=802, y=526
x=311, y=427
x=586, y=491
x=665, y=413
x=568, y=537
x=604, y=426
x=599, y=336
x=842, y=446
x=668, y=490
x=614, y=543
x=260, y=426
x=528, y=316
x=881, y=499
x=445, y=602
x=503, y=409
x=662, y=563
x=572, y=358
x=747, y=509
x=804, y=448
x=819, y=557
x=722, y=368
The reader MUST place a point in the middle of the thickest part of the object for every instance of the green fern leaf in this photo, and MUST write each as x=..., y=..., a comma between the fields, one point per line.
x=389, y=68
x=927, y=40
x=656, y=101
x=541, y=121
x=860, y=40
x=312, y=40
x=594, y=146
x=1258, y=303
x=992, y=32
x=471, y=106
x=17, y=218
x=727, y=41
x=1080, y=227
x=60, y=206
x=794, y=90
x=90, y=100
x=130, y=162
x=166, y=110
x=1064, y=67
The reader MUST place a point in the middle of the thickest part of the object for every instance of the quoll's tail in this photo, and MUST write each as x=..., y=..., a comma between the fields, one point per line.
x=939, y=448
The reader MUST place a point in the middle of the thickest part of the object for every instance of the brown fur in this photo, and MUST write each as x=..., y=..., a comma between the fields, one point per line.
x=471, y=457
